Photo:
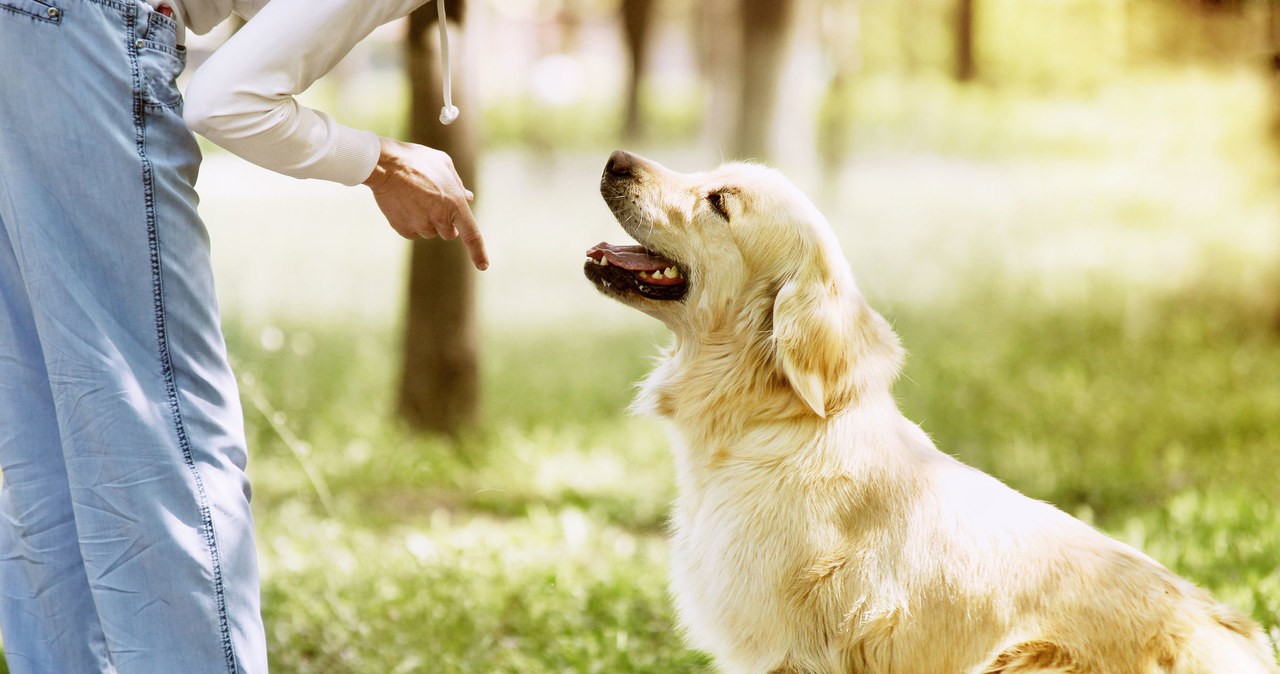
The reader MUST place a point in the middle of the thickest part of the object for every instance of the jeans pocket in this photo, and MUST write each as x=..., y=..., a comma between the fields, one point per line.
x=36, y=9
x=159, y=65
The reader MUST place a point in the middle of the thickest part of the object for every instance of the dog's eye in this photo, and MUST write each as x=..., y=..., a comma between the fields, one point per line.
x=717, y=201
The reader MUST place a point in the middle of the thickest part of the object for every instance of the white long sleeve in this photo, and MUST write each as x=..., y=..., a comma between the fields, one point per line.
x=243, y=96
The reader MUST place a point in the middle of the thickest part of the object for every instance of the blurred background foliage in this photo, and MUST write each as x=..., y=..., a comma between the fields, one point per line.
x=1076, y=237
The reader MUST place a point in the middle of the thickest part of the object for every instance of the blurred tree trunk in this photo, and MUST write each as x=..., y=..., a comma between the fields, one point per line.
x=1273, y=66
x=1273, y=76
x=439, y=385
x=840, y=31
x=637, y=25
x=966, y=63
x=716, y=38
x=765, y=33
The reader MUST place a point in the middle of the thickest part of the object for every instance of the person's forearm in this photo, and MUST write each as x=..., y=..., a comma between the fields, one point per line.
x=284, y=137
x=243, y=97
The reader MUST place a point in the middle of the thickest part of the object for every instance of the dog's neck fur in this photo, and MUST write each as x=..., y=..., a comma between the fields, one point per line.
x=702, y=381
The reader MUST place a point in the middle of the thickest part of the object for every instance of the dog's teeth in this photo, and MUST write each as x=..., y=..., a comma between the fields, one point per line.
x=671, y=272
x=604, y=262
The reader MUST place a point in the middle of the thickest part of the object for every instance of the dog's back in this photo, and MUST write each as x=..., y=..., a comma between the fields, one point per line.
x=913, y=562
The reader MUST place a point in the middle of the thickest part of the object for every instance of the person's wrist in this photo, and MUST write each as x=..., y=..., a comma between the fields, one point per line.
x=387, y=160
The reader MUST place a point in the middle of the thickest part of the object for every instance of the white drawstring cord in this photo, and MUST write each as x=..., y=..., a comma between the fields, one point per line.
x=449, y=112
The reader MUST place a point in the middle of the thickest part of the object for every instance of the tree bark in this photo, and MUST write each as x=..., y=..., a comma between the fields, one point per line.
x=966, y=62
x=1273, y=76
x=637, y=24
x=716, y=35
x=439, y=383
x=766, y=31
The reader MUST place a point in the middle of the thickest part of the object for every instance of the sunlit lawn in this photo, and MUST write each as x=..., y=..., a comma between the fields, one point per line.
x=1087, y=292
x=536, y=546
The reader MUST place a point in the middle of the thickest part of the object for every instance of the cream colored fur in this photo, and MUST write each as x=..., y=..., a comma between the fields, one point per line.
x=818, y=530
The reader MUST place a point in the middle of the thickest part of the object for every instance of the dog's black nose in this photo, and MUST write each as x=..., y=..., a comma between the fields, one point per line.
x=620, y=163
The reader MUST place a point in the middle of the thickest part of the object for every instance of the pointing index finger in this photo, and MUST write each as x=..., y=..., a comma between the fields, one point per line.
x=469, y=232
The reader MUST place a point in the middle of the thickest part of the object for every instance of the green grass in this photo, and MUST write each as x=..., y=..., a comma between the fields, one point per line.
x=533, y=546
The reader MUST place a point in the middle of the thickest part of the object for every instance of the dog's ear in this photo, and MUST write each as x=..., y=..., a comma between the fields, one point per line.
x=829, y=345
x=811, y=339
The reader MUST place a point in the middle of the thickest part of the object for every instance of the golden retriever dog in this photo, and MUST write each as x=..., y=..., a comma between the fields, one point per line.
x=817, y=530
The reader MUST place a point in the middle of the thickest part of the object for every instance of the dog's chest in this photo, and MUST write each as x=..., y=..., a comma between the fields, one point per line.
x=740, y=539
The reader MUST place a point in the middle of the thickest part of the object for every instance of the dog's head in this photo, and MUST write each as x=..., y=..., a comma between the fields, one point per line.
x=741, y=256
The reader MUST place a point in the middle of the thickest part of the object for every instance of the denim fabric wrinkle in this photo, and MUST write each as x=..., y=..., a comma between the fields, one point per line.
x=126, y=537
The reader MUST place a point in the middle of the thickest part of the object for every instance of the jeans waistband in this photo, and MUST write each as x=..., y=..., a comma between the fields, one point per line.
x=149, y=24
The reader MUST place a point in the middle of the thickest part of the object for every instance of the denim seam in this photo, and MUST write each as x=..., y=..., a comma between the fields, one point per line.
x=116, y=4
x=170, y=22
x=166, y=359
x=160, y=47
x=36, y=17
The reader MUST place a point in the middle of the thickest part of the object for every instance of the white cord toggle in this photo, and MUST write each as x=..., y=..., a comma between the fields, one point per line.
x=450, y=111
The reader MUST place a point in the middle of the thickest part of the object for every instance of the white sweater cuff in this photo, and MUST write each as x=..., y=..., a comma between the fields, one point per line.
x=355, y=155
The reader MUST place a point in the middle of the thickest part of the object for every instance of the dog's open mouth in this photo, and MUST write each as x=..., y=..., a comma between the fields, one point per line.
x=635, y=269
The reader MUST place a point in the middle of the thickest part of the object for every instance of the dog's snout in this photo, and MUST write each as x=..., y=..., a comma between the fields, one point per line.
x=621, y=164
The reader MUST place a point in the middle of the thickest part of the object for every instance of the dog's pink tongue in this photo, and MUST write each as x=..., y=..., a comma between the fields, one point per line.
x=631, y=258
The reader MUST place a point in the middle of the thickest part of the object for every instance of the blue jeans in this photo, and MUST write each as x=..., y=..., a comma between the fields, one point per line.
x=126, y=538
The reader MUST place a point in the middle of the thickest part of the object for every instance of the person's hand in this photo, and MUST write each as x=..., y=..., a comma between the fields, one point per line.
x=422, y=196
